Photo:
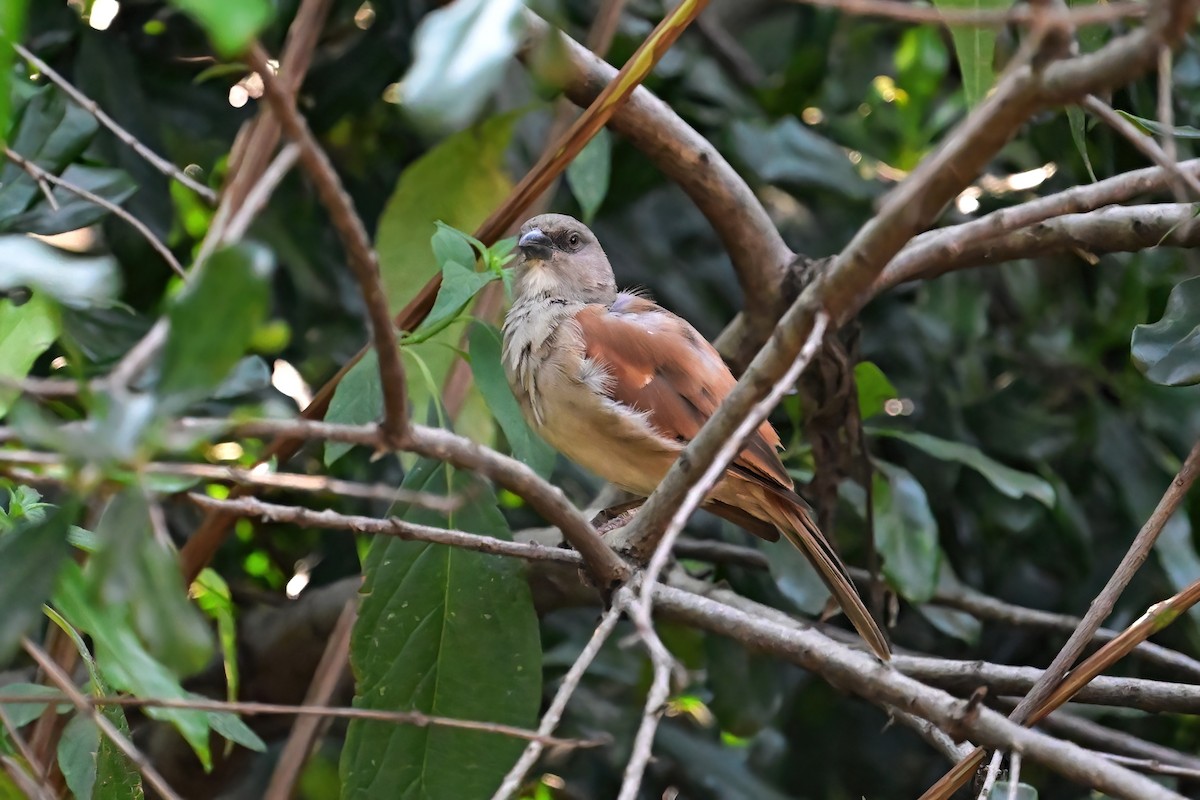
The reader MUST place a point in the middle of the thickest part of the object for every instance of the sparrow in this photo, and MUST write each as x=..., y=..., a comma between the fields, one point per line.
x=620, y=385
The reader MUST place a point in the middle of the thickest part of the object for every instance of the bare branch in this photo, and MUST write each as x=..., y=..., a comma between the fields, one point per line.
x=43, y=176
x=1143, y=143
x=1102, y=606
x=512, y=781
x=331, y=520
x=27, y=782
x=983, y=18
x=758, y=252
x=260, y=192
x=84, y=706
x=879, y=683
x=90, y=105
x=305, y=730
x=363, y=260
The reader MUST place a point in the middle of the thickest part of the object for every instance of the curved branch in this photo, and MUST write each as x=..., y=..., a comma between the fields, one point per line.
x=759, y=254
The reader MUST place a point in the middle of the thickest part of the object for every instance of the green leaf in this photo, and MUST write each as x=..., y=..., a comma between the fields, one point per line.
x=458, y=182
x=450, y=244
x=1168, y=351
x=230, y=24
x=26, y=331
x=905, y=533
x=358, y=400
x=116, y=777
x=445, y=631
x=31, y=558
x=22, y=714
x=1008, y=481
x=959, y=624
x=126, y=663
x=52, y=132
x=77, y=750
x=1078, y=123
x=12, y=29
x=1156, y=128
x=975, y=47
x=527, y=447
x=460, y=284
x=791, y=154
x=459, y=54
x=73, y=211
x=874, y=389
x=134, y=569
x=215, y=600
x=747, y=687
x=589, y=173
x=213, y=321
x=73, y=280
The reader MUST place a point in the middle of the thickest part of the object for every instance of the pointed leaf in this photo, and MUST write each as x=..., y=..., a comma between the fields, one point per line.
x=975, y=48
x=1008, y=481
x=31, y=557
x=77, y=750
x=874, y=389
x=906, y=533
x=527, y=447
x=1168, y=351
x=26, y=331
x=230, y=24
x=213, y=321
x=449, y=632
x=588, y=174
x=358, y=400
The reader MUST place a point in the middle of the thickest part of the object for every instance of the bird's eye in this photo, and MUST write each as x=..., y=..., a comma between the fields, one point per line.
x=573, y=240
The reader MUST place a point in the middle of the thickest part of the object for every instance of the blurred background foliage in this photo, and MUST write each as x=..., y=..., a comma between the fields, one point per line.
x=1019, y=447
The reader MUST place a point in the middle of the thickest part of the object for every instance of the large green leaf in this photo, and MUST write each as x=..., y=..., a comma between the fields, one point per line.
x=975, y=47
x=31, y=557
x=589, y=172
x=906, y=533
x=1177, y=555
x=12, y=26
x=1168, y=351
x=358, y=400
x=527, y=446
x=75, y=281
x=458, y=182
x=77, y=751
x=132, y=568
x=1008, y=481
x=445, y=631
x=790, y=154
x=26, y=331
x=460, y=284
x=459, y=55
x=231, y=24
x=52, y=132
x=874, y=389
x=213, y=321
x=74, y=211
x=128, y=666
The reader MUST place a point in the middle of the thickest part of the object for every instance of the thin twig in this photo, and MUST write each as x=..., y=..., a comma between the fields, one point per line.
x=264, y=478
x=993, y=772
x=935, y=736
x=1143, y=143
x=1152, y=765
x=89, y=105
x=1102, y=606
x=421, y=720
x=260, y=192
x=331, y=520
x=85, y=706
x=305, y=730
x=39, y=790
x=42, y=175
x=512, y=781
x=1018, y=15
x=364, y=262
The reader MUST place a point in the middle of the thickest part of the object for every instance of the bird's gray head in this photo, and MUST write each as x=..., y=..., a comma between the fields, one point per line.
x=561, y=257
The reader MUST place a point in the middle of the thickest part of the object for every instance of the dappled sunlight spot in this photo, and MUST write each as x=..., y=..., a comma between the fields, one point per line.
x=59, y=362
x=250, y=87
x=391, y=93
x=812, y=116
x=887, y=90
x=967, y=201
x=80, y=240
x=1020, y=181
x=365, y=16
x=287, y=379
x=899, y=407
x=225, y=451
x=103, y=13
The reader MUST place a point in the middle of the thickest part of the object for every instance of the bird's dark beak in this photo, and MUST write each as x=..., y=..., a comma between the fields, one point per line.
x=535, y=245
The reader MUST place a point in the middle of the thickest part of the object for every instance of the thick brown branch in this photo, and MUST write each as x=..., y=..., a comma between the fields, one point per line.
x=759, y=254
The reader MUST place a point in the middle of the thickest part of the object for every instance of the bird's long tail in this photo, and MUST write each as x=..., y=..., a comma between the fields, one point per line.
x=802, y=532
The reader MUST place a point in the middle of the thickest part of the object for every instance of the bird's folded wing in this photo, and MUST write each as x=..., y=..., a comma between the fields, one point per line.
x=658, y=364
